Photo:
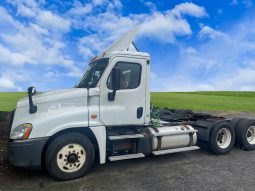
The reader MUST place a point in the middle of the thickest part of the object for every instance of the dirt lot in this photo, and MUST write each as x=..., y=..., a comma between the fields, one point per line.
x=197, y=170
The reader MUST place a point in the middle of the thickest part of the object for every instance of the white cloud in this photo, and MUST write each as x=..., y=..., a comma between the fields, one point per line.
x=165, y=27
x=25, y=11
x=106, y=28
x=38, y=51
x=151, y=6
x=221, y=63
x=98, y=2
x=45, y=18
x=190, y=50
x=111, y=25
x=8, y=85
x=90, y=44
x=80, y=9
x=208, y=32
x=190, y=9
x=178, y=83
x=6, y=19
x=40, y=41
x=34, y=43
x=246, y=3
x=53, y=22
x=26, y=8
x=38, y=30
x=9, y=57
x=114, y=5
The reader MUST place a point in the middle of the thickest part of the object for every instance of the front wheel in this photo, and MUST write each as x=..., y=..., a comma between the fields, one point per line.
x=222, y=138
x=69, y=156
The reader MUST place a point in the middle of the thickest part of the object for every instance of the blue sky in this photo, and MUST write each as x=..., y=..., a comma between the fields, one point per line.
x=194, y=45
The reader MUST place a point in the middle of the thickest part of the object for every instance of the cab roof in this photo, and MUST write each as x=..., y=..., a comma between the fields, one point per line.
x=125, y=53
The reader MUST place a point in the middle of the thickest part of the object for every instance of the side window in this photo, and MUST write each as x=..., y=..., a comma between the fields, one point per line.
x=130, y=75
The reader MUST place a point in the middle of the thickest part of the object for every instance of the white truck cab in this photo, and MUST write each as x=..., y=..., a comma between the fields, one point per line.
x=105, y=116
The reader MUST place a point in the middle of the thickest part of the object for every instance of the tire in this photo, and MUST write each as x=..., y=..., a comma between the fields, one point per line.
x=222, y=138
x=165, y=112
x=186, y=114
x=235, y=121
x=245, y=134
x=69, y=156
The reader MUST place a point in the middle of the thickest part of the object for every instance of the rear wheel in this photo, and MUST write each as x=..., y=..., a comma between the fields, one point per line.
x=235, y=121
x=69, y=156
x=245, y=130
x=222, y=138
x=250, y=135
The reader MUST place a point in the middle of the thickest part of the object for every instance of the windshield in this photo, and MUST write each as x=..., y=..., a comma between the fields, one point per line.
x=93, y=74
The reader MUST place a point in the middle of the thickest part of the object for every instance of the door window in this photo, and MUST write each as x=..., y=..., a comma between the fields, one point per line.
x=130, y=75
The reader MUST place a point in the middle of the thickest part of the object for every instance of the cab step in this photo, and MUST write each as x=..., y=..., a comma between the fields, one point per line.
x=124, y=157
x=177, y=150
x=119, y=137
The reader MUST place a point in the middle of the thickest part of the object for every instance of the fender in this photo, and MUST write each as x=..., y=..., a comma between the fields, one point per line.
x=100, y=134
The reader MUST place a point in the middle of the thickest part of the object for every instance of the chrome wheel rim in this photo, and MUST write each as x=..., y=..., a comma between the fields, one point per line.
x=250, y=135
x=71, y=157
x=223, y=138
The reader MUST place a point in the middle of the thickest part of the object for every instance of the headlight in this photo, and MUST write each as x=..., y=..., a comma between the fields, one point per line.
x=21, y=132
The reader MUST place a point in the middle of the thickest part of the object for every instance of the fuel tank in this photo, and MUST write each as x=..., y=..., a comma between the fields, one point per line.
x=170, y=137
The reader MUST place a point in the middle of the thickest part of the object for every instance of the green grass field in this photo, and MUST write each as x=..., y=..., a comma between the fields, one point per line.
x=218, y=101
x=8, y=100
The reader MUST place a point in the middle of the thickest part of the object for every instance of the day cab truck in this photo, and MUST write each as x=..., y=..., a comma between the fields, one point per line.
x=107, y=117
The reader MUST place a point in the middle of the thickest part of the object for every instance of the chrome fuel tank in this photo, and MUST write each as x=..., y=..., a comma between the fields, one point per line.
x=169, y=137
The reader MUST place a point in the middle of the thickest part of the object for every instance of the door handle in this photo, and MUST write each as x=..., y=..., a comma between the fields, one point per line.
x=139, y=112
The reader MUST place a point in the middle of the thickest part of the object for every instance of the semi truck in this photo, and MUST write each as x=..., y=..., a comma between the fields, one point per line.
x=108, y=116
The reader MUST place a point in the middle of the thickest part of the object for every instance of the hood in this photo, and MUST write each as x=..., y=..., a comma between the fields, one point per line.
x=50, y=96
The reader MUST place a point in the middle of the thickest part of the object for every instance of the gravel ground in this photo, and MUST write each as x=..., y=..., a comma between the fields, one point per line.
x=196, y=170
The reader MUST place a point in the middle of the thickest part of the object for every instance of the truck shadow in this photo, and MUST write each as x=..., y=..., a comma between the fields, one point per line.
x=100, y=176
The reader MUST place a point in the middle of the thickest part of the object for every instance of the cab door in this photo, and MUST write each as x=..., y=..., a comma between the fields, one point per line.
x=128, y=107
